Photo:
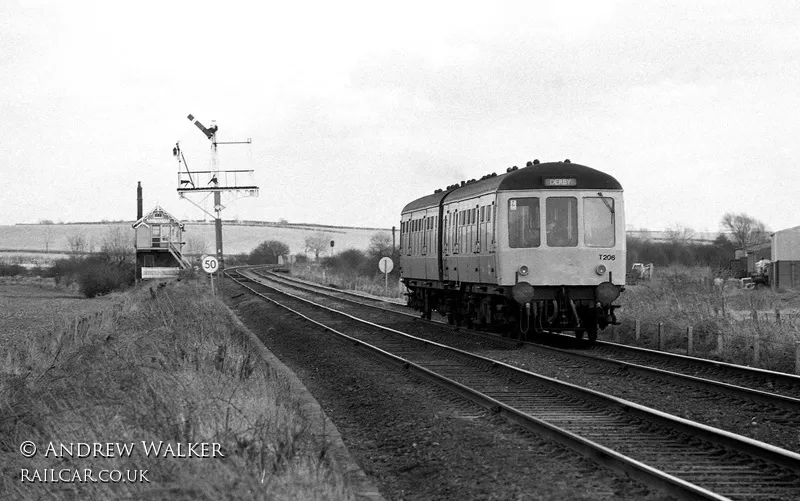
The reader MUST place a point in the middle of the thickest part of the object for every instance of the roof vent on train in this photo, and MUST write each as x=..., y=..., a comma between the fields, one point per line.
x=512, y=169
x=470, y=181
x=535, y=162
x=567, y=161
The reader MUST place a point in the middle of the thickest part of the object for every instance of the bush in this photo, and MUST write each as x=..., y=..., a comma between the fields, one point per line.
x=66, y=271
x=12, y=270
x=268, y=252
x=99, y=276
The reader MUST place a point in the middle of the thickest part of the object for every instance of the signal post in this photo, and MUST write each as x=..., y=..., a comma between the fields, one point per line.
x=238, y=183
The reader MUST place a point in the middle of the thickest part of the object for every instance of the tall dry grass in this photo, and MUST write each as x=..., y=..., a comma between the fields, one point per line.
x=166, y=364
x=746, y=321
x=373, y=285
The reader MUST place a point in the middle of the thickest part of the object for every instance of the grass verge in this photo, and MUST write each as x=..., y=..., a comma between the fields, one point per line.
x=746, y=322
x=374, y=285
x=166, y=365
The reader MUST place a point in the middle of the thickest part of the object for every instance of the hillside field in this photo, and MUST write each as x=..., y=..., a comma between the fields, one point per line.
x=237, y=237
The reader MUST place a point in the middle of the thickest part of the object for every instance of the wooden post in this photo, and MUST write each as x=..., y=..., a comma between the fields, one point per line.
x=638, y=329
x=757, y=347
x=777, y=316
x=689, y=341
x=661, y=336
x=797, y=357
x=719, y=344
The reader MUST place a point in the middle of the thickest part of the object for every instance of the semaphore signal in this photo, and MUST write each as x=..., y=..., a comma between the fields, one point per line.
x=214, y=180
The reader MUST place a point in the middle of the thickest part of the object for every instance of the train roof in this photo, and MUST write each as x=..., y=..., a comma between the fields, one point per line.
x=531, y=177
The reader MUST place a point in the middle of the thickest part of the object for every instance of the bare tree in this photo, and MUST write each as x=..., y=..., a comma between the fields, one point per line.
x=118, y=245
x=747, y=231
x=679, y=234
x=380, y=244
x=317, y=243
x=77, y=243
x=196, y=245
x=48, y=236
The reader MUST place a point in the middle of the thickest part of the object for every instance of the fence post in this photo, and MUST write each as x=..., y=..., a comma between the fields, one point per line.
x=719, y=343
x=660, y=336
x=638, y=329
x=689, y=341
x=797, y=357
x=757, y=347
x=777, y=316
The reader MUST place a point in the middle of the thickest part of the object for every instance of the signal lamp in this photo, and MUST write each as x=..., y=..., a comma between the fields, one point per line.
x=601, y=269
x=523, y=270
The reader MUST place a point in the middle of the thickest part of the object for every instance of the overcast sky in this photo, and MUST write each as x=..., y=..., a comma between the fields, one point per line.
x=356, y=108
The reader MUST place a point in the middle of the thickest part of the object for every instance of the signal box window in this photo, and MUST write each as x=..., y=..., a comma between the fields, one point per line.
x=598, y=222
x=524, y=230
x=561, y=218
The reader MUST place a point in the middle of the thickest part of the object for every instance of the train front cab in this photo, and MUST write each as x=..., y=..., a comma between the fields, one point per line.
x=562, y=254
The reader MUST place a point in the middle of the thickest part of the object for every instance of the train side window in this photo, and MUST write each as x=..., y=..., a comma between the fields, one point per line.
x=598, y=222
x=483, y=213
x=524, y=230
x=561, y=218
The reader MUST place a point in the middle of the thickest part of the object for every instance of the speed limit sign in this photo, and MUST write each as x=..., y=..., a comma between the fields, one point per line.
x=210, y=264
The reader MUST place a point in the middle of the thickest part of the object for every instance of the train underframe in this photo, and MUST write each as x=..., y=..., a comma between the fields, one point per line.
x=561, y=308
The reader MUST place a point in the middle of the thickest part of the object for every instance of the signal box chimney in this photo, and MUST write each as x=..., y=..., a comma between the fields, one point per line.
x=139, y=211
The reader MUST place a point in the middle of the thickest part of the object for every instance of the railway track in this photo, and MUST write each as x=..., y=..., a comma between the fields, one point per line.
x=687, y=458
x=776, y=393
x=745, y=410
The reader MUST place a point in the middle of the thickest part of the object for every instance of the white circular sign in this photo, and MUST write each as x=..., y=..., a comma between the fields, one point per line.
x=385, y=264
x=210, y=264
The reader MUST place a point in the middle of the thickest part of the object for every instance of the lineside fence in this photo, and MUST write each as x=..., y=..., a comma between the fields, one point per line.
x=769, y=340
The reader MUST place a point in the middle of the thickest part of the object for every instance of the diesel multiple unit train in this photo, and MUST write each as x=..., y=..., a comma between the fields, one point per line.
x=539, y=248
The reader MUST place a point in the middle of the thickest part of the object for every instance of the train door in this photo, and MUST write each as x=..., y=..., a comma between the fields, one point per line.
x=431, y=263
x=483, y=255
x=474, y=262
x=491, y=238
x=443, y=246
x=456, y=244
x=423, y=249
x=460, y=245
x=417, y=249
x=445, y=243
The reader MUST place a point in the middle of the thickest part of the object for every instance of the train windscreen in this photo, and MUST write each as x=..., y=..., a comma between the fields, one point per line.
x=523, y=223
x=598, y=222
